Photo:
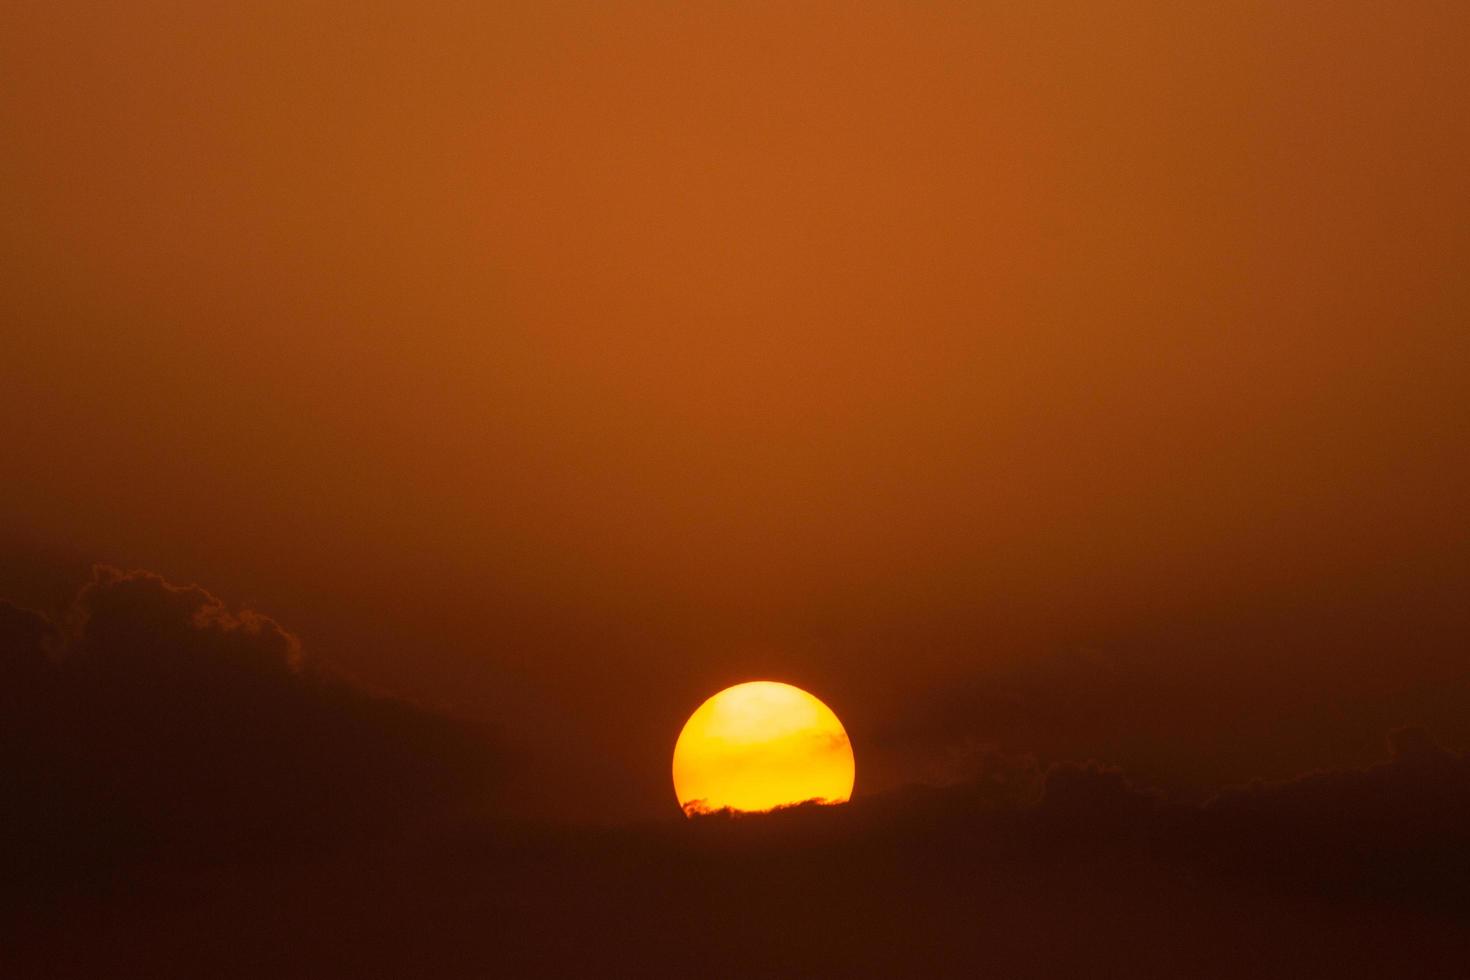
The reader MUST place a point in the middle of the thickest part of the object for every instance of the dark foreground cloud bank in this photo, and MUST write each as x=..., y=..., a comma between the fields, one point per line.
x=149, y=719
x=185, y=796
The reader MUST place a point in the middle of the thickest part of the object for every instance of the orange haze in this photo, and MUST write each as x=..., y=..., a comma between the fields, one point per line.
x=521, y=354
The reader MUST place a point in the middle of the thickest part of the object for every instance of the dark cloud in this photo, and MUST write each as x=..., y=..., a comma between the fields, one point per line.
x=25, y=639
x=152, y=718
x=1095, y=799
x=1265, y=689
x=1350, y=873
x=1397, y=830
x=160, y=746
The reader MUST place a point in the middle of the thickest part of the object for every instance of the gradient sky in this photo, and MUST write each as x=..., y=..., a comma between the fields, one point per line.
x=1088, y=376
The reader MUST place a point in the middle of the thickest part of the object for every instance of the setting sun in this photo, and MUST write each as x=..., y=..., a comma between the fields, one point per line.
x=761, y=745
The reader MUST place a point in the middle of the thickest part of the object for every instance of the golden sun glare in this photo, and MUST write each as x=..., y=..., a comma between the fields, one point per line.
x=761, y=745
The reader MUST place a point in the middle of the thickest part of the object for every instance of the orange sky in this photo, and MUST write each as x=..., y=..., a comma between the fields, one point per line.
x=564, y=363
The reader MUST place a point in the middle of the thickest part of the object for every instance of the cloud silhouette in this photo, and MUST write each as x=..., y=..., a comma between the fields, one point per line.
x=150, y=715
x=26, y=637
x=164, y=746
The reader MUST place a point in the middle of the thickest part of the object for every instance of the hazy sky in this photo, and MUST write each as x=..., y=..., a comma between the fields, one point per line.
x=1090, y=376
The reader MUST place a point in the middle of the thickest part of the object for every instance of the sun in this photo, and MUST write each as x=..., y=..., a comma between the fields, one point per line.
x=761, y=745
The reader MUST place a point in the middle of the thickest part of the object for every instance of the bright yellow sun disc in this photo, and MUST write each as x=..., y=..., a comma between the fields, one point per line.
x=761, y=745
